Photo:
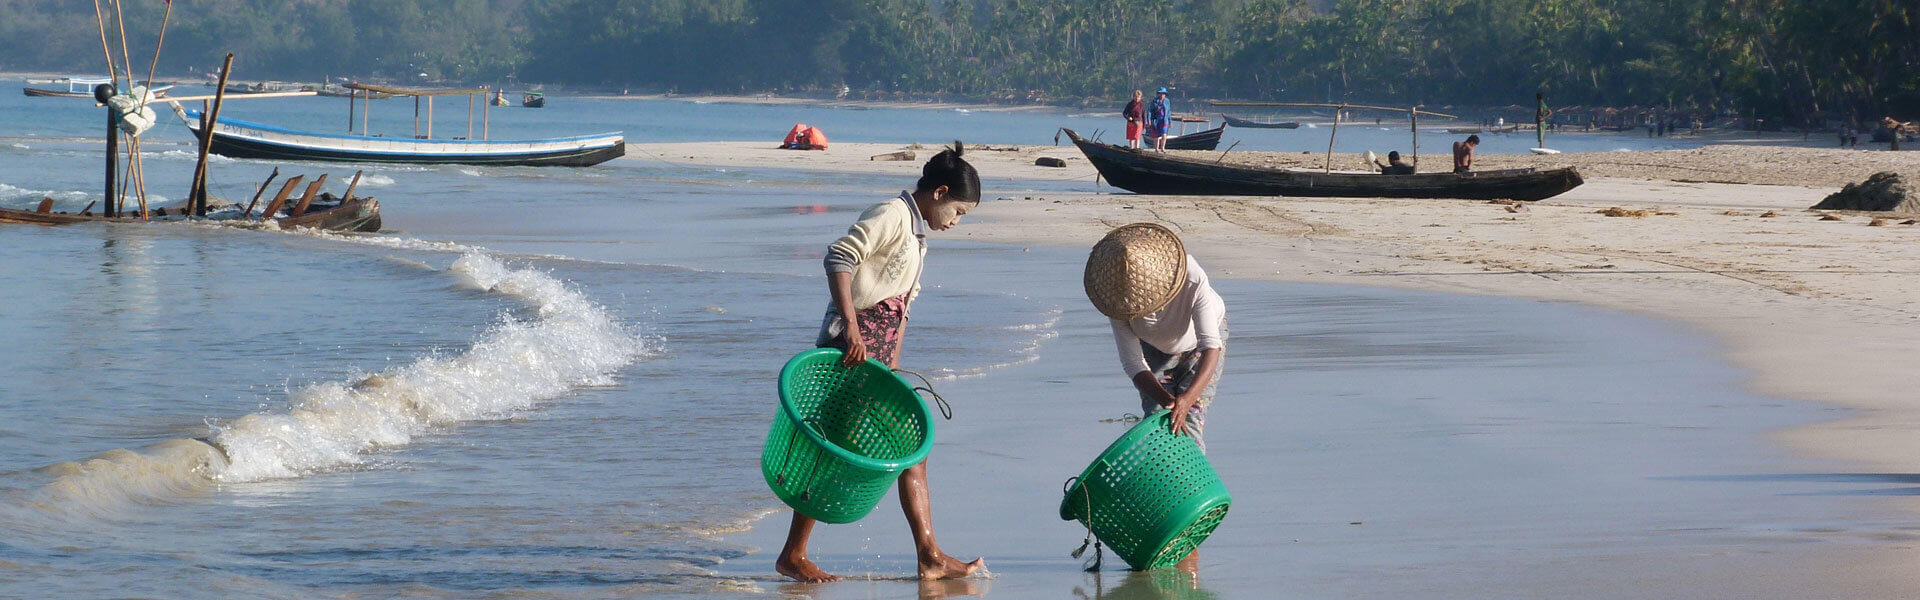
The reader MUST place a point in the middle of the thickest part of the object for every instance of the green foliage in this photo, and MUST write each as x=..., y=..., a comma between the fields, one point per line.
x=1792, y=60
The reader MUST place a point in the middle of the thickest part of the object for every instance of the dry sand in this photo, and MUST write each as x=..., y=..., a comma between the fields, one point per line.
x=1815, y=309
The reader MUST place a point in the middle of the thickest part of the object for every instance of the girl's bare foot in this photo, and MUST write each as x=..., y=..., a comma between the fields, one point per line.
x=941, y=566
x=804, y=571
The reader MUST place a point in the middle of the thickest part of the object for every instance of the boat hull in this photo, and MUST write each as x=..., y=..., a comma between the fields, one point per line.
x=356, y=215
x=1199, y=140
x=1243, y=123
x=240, y=139
x=1146, y=172
x=46, y=93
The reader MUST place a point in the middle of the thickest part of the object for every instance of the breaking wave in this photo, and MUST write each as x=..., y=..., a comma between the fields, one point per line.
x=567, y=343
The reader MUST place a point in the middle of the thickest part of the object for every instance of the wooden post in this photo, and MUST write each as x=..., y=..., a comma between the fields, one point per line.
x=263, y=188
x=350, y=99
x=280, y=198
x=197, y=200
x=1331, y=136
x=113, y=159
x=350, y=185
x=307, y=198
x=416, y=117
x=469, y=116
x=429, y=117
x=366, y=108
x=1414, y=114
x=485, y=110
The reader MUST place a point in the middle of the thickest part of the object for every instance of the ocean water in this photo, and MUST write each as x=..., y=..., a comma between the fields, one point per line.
x=555, y=382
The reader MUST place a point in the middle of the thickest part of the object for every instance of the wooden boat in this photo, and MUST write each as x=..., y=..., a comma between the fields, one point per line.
x=534, y=100
x=1199, y=140
x=242, y=139
x=1239, y=122
x=325, y=213
x=1148, y=172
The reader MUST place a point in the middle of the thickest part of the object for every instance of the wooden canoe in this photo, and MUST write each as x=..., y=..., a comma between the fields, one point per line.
x=1149, y=172
x=1199, y=140
x=1247, y=124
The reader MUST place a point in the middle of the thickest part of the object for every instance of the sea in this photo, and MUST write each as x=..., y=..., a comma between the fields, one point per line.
x=554, y=383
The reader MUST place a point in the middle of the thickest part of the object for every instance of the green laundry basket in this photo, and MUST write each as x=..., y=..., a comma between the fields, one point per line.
x=842, y=435
x=1151, y=496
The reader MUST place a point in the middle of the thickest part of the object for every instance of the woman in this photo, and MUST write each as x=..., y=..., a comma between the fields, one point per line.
x=873, y=275
x=1136, y=114
x=1159, y=115
x=1168, y=323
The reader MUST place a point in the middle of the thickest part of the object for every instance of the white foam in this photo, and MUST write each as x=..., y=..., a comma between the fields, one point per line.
x=375, y=180
x=19, y=146
x=568, y=343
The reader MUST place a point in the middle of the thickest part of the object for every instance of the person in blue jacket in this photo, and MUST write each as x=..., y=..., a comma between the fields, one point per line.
x=1158, y=113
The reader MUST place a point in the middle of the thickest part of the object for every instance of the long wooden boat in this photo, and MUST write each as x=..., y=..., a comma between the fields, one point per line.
x=1199, y=140
x=1239, y=122
x=242, y=139
x=356, y=214
x=1148, y=172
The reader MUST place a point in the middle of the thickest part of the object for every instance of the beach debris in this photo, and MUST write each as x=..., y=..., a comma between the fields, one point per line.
x=1514, y=208
x=901, y=155
x=1123, y=418
x=1732, y=213
x=1885, y=191
x=1769, y=215
x=1829, y=217
x=1636, y=213
x=1048, y=161
x=1908, y=222
x=1879, y=222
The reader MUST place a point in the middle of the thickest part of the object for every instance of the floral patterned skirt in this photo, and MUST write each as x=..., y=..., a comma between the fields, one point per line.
x=881, y=325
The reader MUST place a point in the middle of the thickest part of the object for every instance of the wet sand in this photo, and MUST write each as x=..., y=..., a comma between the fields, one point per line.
x=1805, y=308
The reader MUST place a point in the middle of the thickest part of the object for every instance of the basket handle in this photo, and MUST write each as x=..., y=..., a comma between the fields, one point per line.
x=946, y=410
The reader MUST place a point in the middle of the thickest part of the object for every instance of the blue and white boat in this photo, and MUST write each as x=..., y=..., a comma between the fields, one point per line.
x=242, y=139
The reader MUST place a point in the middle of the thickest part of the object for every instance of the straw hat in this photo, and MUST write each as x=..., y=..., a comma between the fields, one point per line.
x=1135, y=270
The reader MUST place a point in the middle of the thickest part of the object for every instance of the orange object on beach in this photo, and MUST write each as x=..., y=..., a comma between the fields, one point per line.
x=804, y=137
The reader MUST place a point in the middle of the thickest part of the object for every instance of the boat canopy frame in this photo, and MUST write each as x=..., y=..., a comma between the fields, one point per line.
x=1413, y=116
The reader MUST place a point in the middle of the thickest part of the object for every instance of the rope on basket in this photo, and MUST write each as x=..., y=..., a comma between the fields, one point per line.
x=1098, y=554
x=946, y=410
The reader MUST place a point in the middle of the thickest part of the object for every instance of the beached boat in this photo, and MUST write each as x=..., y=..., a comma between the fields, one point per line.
x=242, y=139
x=1148, y=172
x=1199, y=140
x=1239, y=122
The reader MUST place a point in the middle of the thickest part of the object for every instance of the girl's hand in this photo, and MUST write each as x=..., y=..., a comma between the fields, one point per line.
x=856, y=349
x=1180, y=408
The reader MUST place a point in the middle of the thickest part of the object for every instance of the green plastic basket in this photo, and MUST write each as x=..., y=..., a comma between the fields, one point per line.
x=1151, y=496
x=842, y=435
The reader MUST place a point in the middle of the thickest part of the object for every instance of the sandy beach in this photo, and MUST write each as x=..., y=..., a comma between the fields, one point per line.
x=1811, y=306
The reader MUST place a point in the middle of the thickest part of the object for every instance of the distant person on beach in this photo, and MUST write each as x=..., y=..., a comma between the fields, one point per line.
x=1394, y=166
x=1168, y=323
x=873, y=275
x=1463, y=154
x=1136, y=115
x=1158, y=115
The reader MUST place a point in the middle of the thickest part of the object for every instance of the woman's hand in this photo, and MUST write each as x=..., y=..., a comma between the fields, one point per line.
x=856, y=349
x=1180, y=407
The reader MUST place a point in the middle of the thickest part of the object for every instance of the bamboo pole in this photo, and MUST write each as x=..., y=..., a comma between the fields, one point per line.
x=126, y=60
x=198, y=202
x=416, y=117
x=1332, y=136
x=159, y=44
x=486, y=121
x=366, y=112
x=351, y=96
x=139, y=174
x=1414, y=115
x=113, y=73
x=429, y=117
x=469, y=117
x=205, y=97
x=1324, y=105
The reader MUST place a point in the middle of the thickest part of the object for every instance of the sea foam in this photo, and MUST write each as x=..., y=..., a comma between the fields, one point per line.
x=565, y=343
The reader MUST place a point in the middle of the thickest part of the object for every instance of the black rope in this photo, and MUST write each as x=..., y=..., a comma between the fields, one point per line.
x=946, y=410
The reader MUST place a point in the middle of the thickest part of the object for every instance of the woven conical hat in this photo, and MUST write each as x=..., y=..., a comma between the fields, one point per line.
x=1135, y=270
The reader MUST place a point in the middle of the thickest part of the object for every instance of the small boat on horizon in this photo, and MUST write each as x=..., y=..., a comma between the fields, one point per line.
x=80, y=87
x=1250, y=124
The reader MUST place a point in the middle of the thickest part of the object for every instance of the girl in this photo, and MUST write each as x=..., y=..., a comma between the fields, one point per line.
x=873, y=275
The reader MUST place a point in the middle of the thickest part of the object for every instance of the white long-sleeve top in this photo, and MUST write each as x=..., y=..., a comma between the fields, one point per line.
x=1195, y=319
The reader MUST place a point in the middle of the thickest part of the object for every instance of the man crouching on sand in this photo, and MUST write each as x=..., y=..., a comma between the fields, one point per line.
x=1169, y=324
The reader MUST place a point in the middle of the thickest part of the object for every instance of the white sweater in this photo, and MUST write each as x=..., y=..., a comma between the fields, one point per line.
x=1194, y=320
x=885, y=251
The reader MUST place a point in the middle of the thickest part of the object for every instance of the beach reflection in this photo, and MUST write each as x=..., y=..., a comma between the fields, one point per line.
x=1158, y=584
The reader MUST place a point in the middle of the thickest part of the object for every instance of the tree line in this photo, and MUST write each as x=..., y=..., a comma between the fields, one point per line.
x=1790, y=60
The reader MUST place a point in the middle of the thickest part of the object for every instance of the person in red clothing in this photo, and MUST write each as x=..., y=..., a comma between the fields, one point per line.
x=1136, y=114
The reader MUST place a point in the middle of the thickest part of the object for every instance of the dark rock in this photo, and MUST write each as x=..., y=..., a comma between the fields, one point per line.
x=1048, y=161
x=1885, y=191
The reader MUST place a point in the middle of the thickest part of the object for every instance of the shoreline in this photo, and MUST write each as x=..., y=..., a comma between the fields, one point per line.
x=1811, y=309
